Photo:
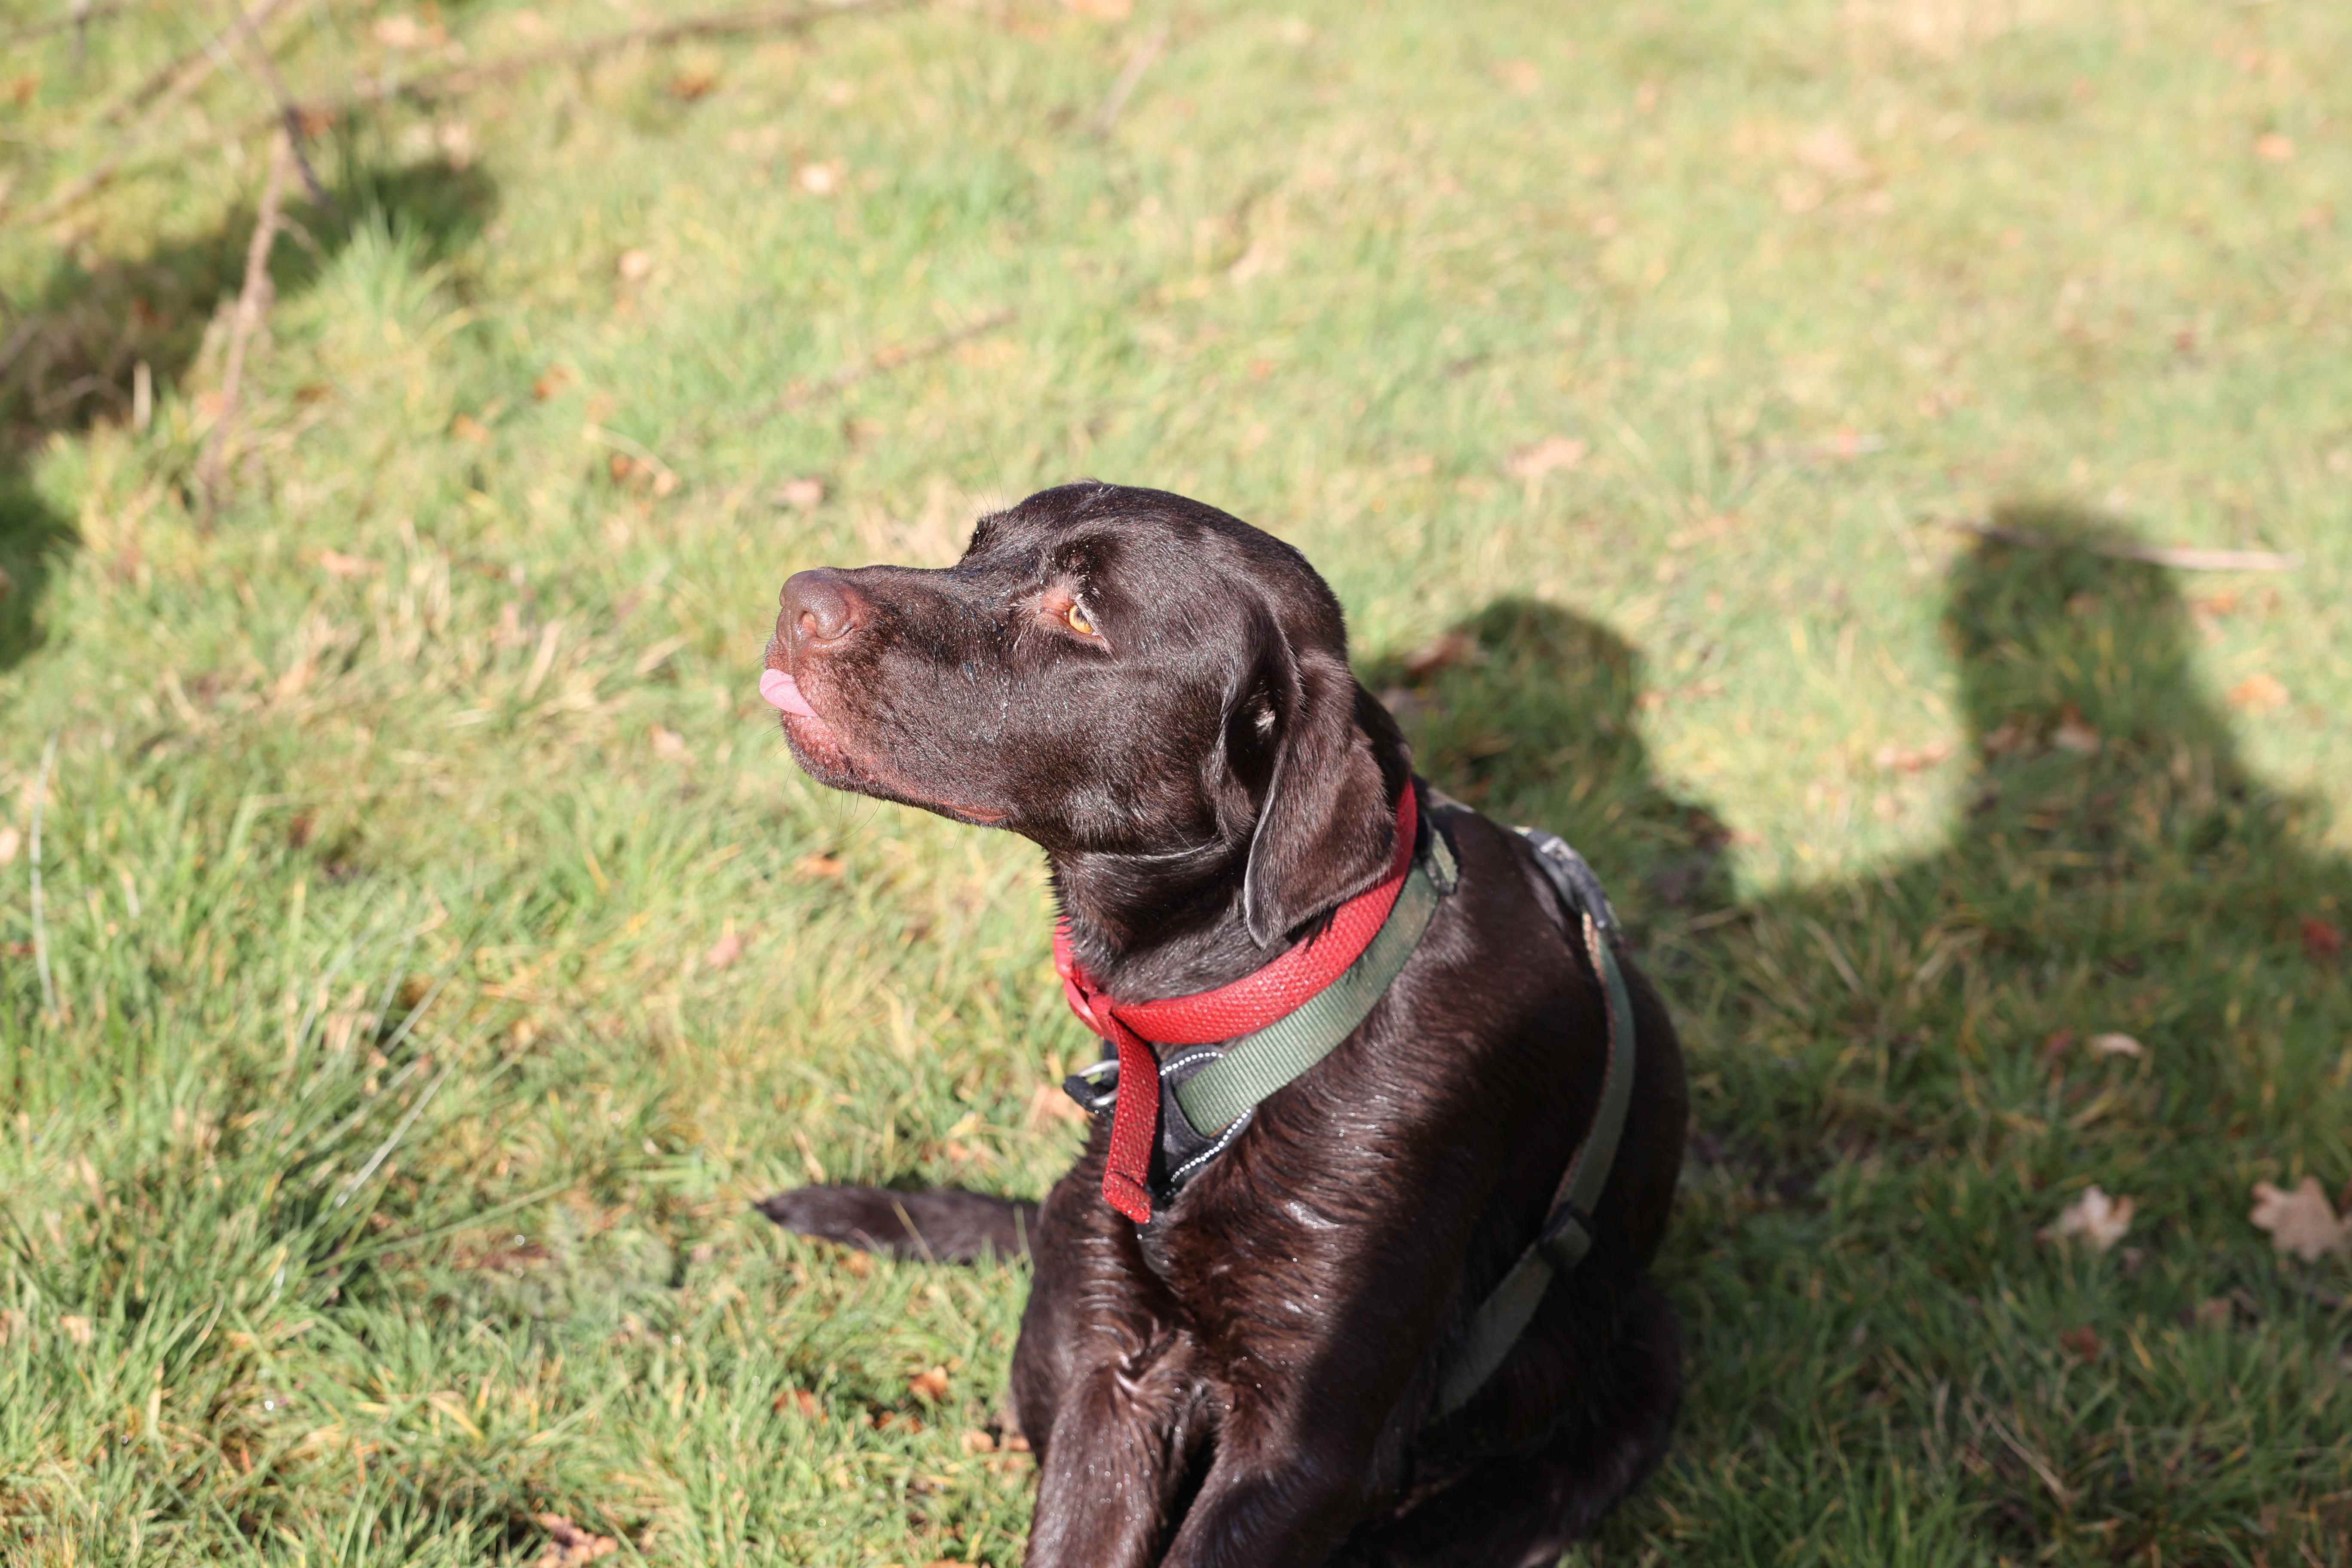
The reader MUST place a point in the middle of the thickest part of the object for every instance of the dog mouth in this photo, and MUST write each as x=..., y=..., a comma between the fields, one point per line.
x=820, y=749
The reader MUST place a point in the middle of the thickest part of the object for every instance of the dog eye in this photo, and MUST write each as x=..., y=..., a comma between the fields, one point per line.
x=1076, y=618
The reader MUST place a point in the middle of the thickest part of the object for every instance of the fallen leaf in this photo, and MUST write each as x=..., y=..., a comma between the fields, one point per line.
x=724, y=951
x=799, y=1400
x=407, y=33
x=2073, y=735
x=1440, y=653
x=2260, y=692
x=635, y=266
x=551, y=381
x=930, y=1386
x=858, y=1264
x=1548, y=456
x=466, y=427
x=830, y=866
x=1048, y=1103
x=569, y=1545
x=818, y=179
x=2273, y=147
x=801, y=495
x=1830, y=151
x=2302, y=1222
x=8, y=841
x=78, y=1330
x=692, y=85
x=2005, y=737
x=1896, y=759
x=669, y=743
x=2081, y=1343
x=977, y=1442
x=335, y=563
x=2095, y=1217
x=2321, y=941
x=2117, y=1045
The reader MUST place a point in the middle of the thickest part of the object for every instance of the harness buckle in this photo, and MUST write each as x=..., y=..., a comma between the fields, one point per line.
x=1567, y=1236
x=1096, y=1088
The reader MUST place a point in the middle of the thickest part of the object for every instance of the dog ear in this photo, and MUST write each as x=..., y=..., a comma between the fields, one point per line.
x=1325, y=829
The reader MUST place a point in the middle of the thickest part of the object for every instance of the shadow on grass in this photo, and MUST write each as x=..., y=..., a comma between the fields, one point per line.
x=1901, y=1079
x=72, y=358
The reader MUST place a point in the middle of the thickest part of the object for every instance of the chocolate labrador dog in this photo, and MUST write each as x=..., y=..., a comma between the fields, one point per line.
x=1246, y=1335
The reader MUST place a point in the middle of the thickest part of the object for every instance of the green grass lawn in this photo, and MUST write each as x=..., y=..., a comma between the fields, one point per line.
x=441, y=951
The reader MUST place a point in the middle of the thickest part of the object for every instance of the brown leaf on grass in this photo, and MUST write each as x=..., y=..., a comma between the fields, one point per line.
x=2302, y=1222
x=407, y=33
x=78, y=1330
x=9, y=840
x=2321, y=941
x=801, y=495
x=1553, y=453
x=2082, y=1344
x=635, y=266
x=2074, y=735
x=818, y=179
x=669, y=743
x=930, y=1387
x=1048, y=1103
x=1896, y=759
x=550, y=380
x=466, y=427
x=2273, y=147
x=724, y=951
x=568, y=1545
x=335, y=563
x=1830, y=152
x=2097, y=1218
x=2118, y=1045
x=829, y=867
x=1520, y=76
x=1440, y=653
x=2260, y=692
x=691, y=85
x=977, y=1442
x=799, y=1400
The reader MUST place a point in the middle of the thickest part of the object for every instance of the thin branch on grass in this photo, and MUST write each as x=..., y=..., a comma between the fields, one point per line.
x=652, y=35
x=289, y=113
x=881, y=362
x=252, y=304
x=77, y=18
x=183, y=74
x=1114, y=103
x=2180, y=558
x=40, y=925
x=165, y=91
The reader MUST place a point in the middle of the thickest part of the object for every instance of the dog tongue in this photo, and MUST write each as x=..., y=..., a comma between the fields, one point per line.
x=784, y=693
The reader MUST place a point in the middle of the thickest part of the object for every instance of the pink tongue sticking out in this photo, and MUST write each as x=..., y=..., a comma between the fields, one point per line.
x=784, y=693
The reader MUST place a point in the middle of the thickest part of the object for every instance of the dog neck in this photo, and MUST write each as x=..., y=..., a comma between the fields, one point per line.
x=1151, y=926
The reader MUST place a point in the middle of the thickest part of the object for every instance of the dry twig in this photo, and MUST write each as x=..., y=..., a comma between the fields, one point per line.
x=252, y=304
x=801, y=394
x=40, y=926
x=465, y=79
x=166, y=89
x=1114, y=102
x=79, y=17
x=2178, y=558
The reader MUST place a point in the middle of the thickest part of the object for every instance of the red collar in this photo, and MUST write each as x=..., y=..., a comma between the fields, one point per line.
x=1236, y=1009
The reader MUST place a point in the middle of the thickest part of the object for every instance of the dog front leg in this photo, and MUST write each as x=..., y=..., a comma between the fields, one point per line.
x=1278, y=1495
x=1121, y=1446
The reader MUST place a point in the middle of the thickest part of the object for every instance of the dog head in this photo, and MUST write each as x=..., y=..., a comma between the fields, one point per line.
x=1117, y=674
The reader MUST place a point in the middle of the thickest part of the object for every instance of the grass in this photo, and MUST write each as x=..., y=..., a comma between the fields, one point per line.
x=444, y=952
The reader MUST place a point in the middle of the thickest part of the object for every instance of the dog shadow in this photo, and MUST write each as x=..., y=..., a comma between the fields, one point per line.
x=71, y=358
x=2124, y=966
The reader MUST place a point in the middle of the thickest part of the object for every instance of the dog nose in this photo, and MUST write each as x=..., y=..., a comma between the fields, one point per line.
x=819, y=608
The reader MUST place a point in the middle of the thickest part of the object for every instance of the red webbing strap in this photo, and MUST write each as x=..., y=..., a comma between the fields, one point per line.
x=1236, y=1009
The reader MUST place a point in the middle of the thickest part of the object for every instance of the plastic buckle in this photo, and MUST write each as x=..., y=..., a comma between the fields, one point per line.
x=1096, y=1088
x=1567, y=1237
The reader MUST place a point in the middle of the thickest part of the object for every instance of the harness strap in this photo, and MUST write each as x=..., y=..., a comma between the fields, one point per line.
x=1567, y=1234
x=1258, y=1064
